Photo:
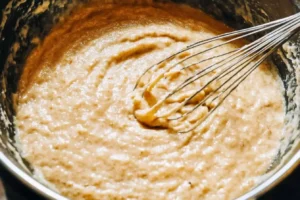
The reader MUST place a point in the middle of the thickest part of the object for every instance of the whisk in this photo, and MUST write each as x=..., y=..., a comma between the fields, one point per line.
x=219, y=79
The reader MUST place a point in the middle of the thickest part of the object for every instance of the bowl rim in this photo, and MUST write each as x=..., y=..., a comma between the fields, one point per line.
x=44, y=191
x=275, y=178
x=28, y=180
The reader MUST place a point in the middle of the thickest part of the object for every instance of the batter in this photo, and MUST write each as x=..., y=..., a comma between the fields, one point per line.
x=76, y=105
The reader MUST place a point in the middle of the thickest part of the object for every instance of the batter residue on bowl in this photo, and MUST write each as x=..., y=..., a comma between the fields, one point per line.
x=75, y=111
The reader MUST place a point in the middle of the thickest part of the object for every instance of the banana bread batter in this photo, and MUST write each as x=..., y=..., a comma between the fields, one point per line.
x=75, y=111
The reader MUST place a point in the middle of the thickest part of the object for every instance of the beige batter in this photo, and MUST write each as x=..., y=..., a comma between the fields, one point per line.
x=76, y=103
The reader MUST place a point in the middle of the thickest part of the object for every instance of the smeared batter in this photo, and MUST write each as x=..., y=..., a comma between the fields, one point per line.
x=76, y=103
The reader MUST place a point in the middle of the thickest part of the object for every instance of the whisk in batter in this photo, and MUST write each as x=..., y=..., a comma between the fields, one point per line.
x=76, y=107
x=206, y=76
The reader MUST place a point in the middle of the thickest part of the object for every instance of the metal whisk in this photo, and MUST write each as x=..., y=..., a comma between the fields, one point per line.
x=224, y=73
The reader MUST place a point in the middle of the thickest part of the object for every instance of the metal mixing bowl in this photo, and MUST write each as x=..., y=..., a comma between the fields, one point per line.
x=23, y=21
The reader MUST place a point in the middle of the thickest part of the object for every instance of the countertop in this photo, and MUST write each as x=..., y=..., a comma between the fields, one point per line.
x=289, y=189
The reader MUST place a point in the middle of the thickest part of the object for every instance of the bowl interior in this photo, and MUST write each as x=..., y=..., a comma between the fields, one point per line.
x=23, y=23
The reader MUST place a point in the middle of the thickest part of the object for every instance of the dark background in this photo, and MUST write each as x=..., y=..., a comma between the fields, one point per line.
x=289, y=189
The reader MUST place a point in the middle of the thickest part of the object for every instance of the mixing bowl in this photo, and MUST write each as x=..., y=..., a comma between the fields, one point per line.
x=25, y=22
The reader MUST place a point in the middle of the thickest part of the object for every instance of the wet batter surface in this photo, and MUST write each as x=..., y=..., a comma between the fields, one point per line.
x=76, y=105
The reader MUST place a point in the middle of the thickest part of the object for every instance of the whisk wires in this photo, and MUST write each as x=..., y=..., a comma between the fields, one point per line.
x=229, y=71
